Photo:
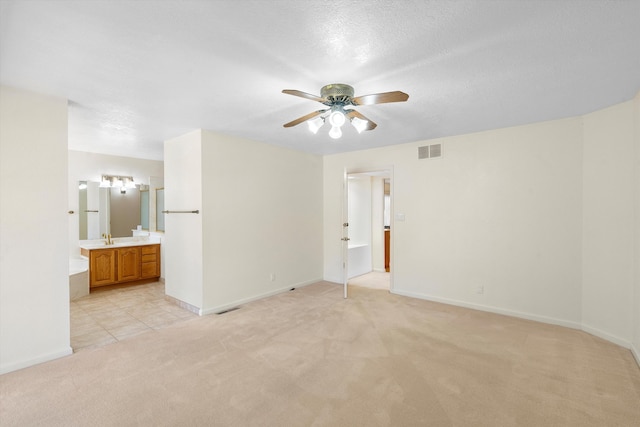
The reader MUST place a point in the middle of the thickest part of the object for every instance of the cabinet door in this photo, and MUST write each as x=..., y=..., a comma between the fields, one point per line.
x=102, y=267
x=128, y=264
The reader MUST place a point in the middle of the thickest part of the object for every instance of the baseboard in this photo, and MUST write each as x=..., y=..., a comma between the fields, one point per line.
x=606, y=336
x=379, y=270
x=636, y=354
x=35, y=361
x=491, y=309
x=182, y=304
x=234, y=304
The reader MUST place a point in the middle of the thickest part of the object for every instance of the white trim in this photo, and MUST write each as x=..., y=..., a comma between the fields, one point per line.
x=185, y=305
x=636, y=354
x=491, y=309
x=379, y=270
x=605, y=336
x=36, y=360
x=543, y=319
x=220, y=308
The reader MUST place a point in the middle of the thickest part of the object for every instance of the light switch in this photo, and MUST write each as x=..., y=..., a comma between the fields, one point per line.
x=399, y=217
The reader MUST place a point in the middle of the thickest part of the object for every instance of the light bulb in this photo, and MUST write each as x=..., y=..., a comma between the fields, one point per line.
x=335, y=132
x=336, y=118
x=315, y=124
x=128, y=182
x=359, y=124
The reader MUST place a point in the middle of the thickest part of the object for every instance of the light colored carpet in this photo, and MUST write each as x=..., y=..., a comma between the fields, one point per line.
x=310, y=358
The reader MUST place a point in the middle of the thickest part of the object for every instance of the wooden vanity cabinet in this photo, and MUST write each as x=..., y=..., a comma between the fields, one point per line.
x=122, y=264
x=128, y=263
x=150, y=262
x=102, y=267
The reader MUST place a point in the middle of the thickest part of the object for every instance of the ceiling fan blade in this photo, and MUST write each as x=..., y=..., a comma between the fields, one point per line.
x=304, y=118
x=353, y=113
x=304, y=95
x=380, y=98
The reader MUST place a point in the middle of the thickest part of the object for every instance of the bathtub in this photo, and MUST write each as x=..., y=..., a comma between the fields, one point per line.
x=78, y=277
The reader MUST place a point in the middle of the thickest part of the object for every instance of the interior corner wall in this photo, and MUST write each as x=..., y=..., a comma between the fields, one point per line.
x=262, y=220
x=184, y=233
x=84, y=166
x=494, y=224
x=34, y=290
x=608, y=223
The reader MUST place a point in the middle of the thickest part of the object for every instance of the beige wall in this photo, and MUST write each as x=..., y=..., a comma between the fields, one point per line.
x=183, y=235
x=541, y=216
x=261, y=214
x=636, y=308
x=34, y=260
x=501, y=209
x=608, y=223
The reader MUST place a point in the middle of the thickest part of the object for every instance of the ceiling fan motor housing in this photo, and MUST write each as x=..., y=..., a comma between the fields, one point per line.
x=337, y=93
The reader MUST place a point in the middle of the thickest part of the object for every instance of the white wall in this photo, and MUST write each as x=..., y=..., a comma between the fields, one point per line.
x=184, y=232
x=263, y=209
x=636, y=308
x=261, y=214
x=608, y=220
x=85, y=166
x=34, y=266
x=502, y=209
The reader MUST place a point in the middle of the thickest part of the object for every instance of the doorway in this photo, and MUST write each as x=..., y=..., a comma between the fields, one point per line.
x=368, y=214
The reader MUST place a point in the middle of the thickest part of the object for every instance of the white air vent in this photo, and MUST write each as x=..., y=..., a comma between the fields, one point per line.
x=430, y=151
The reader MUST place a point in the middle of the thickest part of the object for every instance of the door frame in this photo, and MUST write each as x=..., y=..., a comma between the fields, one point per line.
x=345, y=219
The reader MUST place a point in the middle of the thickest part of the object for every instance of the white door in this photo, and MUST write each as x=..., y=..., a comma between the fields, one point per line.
x=345, y=232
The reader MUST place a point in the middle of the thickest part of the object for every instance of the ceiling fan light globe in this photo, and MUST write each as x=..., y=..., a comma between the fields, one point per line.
x=315, y=124
x=335, y=132
x=336, y=119
x=359, y=124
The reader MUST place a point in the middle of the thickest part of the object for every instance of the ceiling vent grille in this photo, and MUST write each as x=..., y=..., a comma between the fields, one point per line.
x=430, y=151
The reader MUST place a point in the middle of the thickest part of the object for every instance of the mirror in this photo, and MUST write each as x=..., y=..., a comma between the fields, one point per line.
x=144, y=209
x=159, y=209
x=108, y=210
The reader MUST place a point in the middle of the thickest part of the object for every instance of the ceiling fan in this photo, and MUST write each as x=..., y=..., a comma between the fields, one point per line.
x=337, y=97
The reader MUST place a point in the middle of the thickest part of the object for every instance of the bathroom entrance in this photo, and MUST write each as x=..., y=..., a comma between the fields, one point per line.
x=369, y=251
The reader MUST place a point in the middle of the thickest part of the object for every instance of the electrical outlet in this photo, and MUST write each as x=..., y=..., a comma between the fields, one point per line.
x=480, y=289
x=272, y=276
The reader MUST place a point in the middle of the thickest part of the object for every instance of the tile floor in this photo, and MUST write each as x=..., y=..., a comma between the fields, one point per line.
x=109, y=315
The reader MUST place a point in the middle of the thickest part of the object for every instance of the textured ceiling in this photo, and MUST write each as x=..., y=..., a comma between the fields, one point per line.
x=139, y=72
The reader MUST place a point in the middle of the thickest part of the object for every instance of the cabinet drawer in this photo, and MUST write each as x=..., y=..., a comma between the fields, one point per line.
x=149, y=249
x=149, y=257
x=149, y=269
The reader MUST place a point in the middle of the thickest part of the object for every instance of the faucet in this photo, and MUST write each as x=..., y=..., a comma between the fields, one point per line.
x=107, y=238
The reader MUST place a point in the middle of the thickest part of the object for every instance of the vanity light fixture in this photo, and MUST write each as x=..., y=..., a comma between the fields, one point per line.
x=123, y=182
x=105, y=182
